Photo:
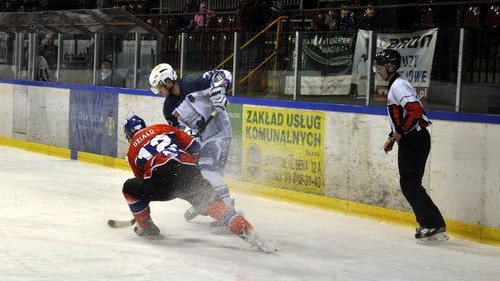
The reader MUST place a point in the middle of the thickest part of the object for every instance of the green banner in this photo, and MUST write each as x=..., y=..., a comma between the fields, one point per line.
x=331, y=53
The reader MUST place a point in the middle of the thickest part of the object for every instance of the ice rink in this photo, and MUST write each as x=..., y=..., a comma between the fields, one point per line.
x=53, y=227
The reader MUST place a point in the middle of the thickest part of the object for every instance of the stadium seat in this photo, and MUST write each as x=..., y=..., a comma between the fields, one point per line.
x=472, y=16
x=220, y=22
x=139, y=8
x=163, y=24
x=428, y=17
x=493, y=16
x=153, y=22
x=229, y=23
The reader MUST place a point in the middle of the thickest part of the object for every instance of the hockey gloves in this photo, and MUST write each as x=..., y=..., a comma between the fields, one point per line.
x=219, y=100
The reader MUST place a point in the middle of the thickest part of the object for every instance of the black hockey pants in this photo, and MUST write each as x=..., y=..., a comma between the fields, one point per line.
x=173, y=180
x=413, y=151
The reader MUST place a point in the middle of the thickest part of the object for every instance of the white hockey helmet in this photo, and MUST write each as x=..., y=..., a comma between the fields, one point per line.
x=159, y=74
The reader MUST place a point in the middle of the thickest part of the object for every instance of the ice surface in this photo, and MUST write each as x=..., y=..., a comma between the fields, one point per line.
x=54, y=214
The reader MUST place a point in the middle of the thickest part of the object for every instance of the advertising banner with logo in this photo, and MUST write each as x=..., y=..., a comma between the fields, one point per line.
x=417, y=54
x=92, y=123
x=326, y=64
x=284, y=148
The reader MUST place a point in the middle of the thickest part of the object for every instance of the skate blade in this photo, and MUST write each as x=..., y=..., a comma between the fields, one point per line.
x=434, y=239
x=265, y=245
x=153, y=237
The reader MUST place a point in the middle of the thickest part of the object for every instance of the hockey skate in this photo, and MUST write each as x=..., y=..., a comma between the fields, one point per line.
x=150, y=232
x=191, y=213
x=266, y=246
x=431, y=235
x=218, y=227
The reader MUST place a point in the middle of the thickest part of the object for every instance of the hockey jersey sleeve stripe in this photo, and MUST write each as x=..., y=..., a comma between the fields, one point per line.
x=414, y=113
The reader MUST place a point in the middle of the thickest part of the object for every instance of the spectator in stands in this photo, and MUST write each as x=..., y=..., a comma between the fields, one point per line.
x=371, y=19
x=46, y=57
x=203, y=17
x=109, y=77
x=325, y=20
x=186, y=21
x=347, y=19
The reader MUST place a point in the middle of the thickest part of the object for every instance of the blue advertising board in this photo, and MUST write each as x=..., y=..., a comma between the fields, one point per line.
x=93, y=122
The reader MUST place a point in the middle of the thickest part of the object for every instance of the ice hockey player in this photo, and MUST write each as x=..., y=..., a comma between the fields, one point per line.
x=408, y=128
x=190, y=101
x=163, y=160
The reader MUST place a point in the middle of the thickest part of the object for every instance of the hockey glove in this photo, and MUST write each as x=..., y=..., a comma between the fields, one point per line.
x=219, y=101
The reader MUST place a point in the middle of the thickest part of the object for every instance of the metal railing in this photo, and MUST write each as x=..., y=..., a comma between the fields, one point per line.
x=277, y=23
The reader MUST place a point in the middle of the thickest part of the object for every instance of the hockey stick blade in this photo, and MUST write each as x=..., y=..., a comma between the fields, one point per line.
x=120, y=224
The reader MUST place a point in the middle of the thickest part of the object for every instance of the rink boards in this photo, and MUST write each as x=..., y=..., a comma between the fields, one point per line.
x=322, y=155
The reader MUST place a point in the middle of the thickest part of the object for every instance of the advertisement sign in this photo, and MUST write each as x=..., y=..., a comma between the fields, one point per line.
x=326, y=64
x=93, y=122
x=330, y=53
x=284, y=148
x=417, y=53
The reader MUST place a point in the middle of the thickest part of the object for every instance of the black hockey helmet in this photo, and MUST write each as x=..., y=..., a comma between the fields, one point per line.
x=387, y=57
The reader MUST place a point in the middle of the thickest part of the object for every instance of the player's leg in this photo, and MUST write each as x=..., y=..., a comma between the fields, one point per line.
x=212, y=161
x=199, y=192
x=133, y=190
x=140, y=192
x=412, y=155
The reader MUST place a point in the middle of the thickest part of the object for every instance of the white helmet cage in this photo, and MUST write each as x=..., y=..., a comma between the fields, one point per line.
x=159, y=74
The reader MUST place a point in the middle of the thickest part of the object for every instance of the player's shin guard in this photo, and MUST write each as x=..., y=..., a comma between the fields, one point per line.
x=140, y=210
x=232, y=220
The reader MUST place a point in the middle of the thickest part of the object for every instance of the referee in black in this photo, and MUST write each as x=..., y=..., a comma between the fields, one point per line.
x=408, y=128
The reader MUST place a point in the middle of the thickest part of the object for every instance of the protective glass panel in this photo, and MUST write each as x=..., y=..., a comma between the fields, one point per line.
x=7, y=55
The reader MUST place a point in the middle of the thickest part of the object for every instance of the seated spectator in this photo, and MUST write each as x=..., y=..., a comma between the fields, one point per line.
x=109, y=77
x=347, y=19
x=371, y=19
x=325, y=21
x=186, y=21
x=203, y=17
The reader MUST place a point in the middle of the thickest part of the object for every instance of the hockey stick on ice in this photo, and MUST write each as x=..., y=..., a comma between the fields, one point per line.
x=120, y=224
x=204, y=126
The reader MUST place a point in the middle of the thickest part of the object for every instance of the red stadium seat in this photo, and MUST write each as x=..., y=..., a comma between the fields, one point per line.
x=163, y=24
x=220, y=22
x=471, y=16
x=229, y=24
x=493, y=16
x=428, y=18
